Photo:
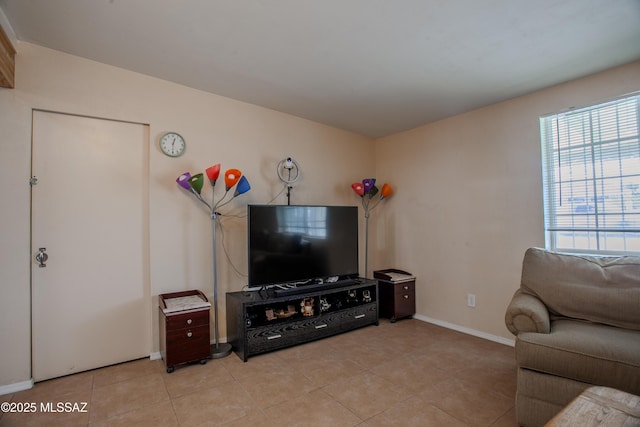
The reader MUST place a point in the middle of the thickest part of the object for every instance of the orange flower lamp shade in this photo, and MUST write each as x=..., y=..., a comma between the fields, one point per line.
x=386, y=191
x=231, y=176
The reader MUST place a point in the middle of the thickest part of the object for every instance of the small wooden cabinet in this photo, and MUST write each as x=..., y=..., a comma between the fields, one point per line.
x=397, y=293
x=184, y=328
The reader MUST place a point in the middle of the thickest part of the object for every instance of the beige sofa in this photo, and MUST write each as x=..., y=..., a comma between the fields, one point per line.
x=577, y=324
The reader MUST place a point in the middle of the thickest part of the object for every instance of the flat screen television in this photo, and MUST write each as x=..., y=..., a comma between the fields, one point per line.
x=301, y=243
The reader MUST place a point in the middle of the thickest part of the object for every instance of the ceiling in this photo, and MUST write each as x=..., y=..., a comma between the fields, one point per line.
x=374, y=67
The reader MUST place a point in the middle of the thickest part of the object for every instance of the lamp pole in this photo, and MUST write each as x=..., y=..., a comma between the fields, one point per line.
x=218, y=350
x=366, y=190
x=366, y=241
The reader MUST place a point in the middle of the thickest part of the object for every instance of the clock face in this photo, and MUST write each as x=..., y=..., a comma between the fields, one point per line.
x=172, y=144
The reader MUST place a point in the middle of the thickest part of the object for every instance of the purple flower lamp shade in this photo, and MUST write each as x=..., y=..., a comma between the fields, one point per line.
x=183, y=180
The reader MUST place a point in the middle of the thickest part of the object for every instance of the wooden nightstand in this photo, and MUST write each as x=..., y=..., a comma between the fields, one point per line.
x=184, y=328
x=397, y=290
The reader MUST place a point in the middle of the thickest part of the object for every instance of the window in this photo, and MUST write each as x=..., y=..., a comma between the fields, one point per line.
x=310, y=222
x=591, y=174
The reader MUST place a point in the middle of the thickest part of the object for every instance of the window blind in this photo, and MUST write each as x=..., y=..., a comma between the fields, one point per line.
x=591, y=178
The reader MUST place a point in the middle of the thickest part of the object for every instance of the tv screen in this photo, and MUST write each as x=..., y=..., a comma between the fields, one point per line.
x=299, y=243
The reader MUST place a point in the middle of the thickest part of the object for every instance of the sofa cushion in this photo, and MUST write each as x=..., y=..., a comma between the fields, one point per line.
x=589, y=352
x=598, y=289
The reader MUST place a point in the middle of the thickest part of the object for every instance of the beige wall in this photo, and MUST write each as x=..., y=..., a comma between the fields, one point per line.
x=468, y=200
x=217, y=129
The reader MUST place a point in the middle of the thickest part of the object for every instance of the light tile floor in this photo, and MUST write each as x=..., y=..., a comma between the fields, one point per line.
x=408, y=373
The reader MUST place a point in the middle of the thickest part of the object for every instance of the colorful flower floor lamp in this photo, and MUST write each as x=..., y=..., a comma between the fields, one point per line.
x=193, y=184
x=367, y=190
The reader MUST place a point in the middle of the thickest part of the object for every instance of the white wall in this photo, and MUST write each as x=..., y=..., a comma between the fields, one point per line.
x=468, y=200
x=217, y=129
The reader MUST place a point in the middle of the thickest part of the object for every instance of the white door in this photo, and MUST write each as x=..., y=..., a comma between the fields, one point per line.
x=91, y=304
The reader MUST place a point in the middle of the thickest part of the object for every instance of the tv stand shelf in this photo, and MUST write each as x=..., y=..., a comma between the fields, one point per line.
x=260, y=321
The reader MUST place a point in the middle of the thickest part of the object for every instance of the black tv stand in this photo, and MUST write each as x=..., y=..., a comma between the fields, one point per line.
x=262, y=321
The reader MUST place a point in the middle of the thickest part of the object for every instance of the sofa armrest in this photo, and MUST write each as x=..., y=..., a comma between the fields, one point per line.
x=527, y=313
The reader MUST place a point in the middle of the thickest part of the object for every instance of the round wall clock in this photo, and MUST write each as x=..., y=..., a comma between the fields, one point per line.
x=172, y=144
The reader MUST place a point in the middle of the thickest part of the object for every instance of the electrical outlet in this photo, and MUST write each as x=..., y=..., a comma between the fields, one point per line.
x=471, y=300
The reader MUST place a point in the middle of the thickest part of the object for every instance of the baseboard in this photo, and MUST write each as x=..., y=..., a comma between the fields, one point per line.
x=468, y=331
x=26, y=385
x=12, y=388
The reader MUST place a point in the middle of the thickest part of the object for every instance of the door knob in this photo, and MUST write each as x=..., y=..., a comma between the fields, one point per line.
x=42, y=257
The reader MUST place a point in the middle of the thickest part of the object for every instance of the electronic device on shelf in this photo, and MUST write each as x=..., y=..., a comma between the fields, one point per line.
x=301, y=244
x=279, y=291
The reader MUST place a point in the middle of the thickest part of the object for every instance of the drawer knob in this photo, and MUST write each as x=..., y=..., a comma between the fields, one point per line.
x=406, y=288
x=189, y=334
x=359, y=316
x=406, y=296
x=189, y=321
x=274, y=337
